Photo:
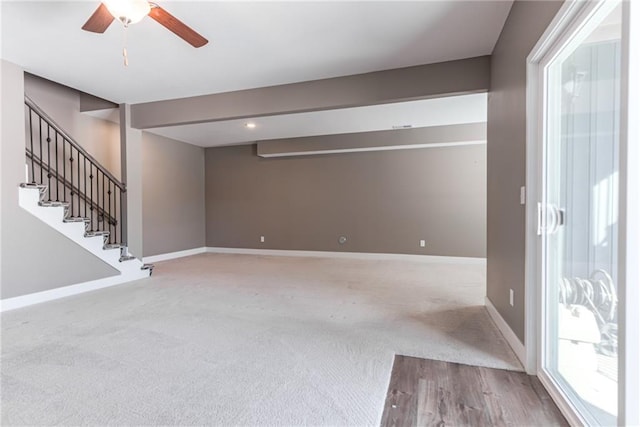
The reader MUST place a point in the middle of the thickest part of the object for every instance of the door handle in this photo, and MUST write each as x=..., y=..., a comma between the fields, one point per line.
x=560, y=213
x=550, y=218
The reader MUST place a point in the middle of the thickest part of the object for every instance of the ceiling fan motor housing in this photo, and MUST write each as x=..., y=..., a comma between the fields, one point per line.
x=128, y=11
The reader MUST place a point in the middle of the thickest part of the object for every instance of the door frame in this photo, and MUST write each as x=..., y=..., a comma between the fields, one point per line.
x=573, y=17
x=629, y=249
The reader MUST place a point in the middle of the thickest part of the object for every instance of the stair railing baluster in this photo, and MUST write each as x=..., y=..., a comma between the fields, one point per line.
x=33, y=169
x=49, y=160
x=91, y=196
x=84, y=180
x=76, y=161
x=71, y=160
x=115, y=213
x=57, y=166
x=41, y=156
x=120, y=221
x=115, y=223
x=64, y=174
x=112, y=235
x=104, y=218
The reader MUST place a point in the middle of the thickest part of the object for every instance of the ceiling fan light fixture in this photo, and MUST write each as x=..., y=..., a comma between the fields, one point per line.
x=128, y=11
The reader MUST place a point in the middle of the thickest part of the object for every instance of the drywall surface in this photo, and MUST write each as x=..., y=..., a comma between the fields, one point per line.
x=100, y=138
x=34, y=256
x=382, y=202
x=506, y=147
x=172, y=195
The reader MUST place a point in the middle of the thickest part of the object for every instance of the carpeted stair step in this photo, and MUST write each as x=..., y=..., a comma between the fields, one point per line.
x=77, y=219
x=54, y=204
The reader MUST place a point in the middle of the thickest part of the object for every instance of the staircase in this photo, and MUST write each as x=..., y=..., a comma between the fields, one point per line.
x=73, y=193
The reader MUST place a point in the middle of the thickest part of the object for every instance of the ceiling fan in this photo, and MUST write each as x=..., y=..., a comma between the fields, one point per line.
x=132, y=11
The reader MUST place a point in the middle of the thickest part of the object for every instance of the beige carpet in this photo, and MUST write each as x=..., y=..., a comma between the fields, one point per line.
x=242, y=340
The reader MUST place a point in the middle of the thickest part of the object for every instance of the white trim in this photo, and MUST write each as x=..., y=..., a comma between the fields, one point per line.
x=350, y=255
x=508, y=334
x=569, y=412
x=628, y=222
x=568, y=11
x=367, y=149
x=531, y=265
x=65, y=291
x=174, y=255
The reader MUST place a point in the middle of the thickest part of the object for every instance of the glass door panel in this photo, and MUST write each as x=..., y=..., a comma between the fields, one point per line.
x=580, y=218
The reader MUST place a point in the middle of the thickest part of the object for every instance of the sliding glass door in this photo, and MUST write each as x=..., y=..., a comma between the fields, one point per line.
x=579, y=213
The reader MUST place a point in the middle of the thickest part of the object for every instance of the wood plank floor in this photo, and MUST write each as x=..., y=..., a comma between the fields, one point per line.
x=424, y=392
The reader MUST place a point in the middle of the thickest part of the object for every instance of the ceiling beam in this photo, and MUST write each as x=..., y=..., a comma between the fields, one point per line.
x=402, y=139
x=463, y=76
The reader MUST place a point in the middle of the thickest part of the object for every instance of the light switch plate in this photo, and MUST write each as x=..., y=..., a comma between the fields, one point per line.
x=523, y=195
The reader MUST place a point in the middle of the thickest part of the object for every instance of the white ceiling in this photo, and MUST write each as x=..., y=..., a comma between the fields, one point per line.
x=423, y=113
x=252, y=44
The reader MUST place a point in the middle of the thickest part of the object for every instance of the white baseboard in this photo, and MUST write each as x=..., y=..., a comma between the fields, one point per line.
x=173, y=255
x=349, y=255
x=65, y=291
x=514, y=342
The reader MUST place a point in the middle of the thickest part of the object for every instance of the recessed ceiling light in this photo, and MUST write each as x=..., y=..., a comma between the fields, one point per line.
x=250, y=125
x=401, y=126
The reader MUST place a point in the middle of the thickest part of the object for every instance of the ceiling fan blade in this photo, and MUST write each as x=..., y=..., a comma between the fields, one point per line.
x=99, y=21
x=177, y=27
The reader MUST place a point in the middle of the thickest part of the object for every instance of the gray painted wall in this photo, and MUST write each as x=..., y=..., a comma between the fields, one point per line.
x=172, y=195
x=506, y=146
x=383, y=202
x=93, y=103
x=131, y=148
x=34, y=256
x=99, y=137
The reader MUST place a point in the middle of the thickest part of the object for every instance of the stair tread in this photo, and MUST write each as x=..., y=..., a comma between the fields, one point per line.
x=148, y=267
x=53, y=204
x=32, y=185
x=96, y=233
x=76, y=219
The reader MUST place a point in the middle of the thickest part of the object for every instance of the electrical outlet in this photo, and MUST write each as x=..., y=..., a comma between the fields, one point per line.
x=423, y=243
x=261, y=239
x=511, y=297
